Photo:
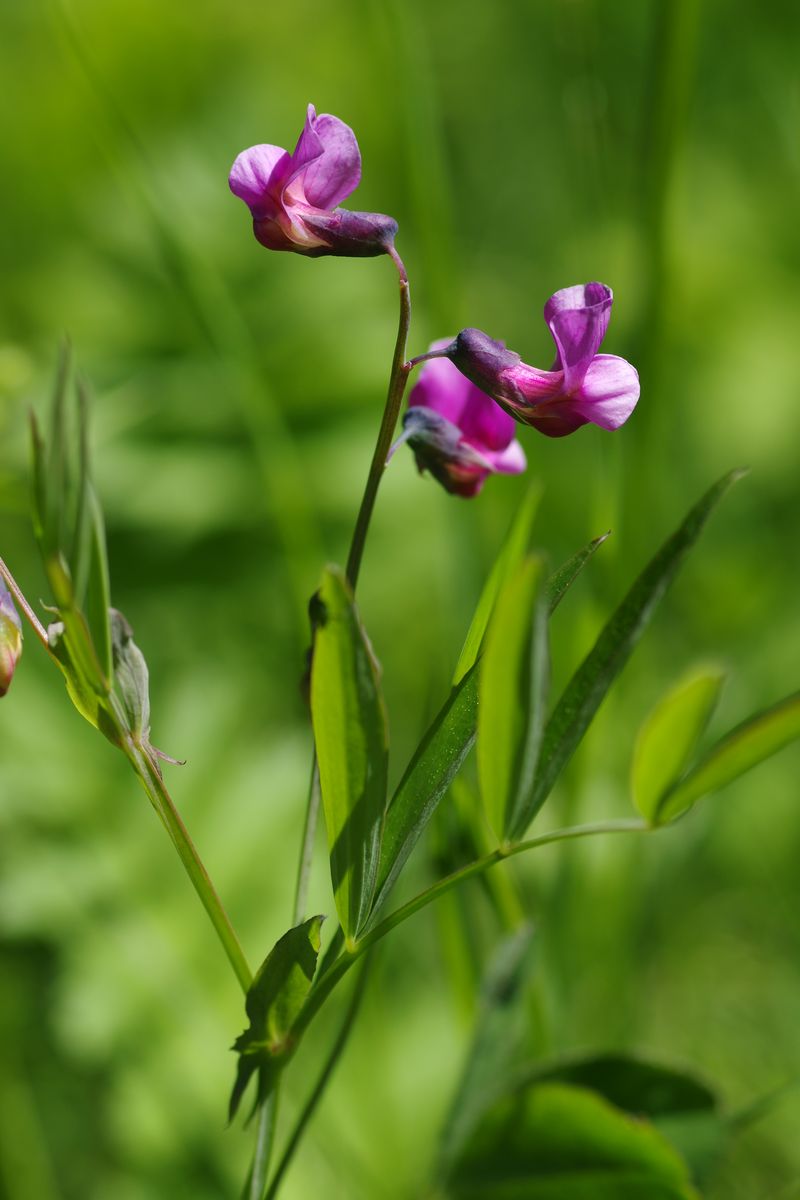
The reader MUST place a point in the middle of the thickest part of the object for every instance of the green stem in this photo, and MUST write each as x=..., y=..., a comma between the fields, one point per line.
x=313, y=1100
x=394, y=398
x=161, y=800
x=320, y=993
x=265, y=1135
x=16, y=592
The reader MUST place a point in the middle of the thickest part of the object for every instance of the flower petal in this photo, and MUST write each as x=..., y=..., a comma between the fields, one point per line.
x=578, y=319
x=443, y=388
x=609, y=392
x=253, y=179
x=353, y=234
x=511, y=461
x=336, y=172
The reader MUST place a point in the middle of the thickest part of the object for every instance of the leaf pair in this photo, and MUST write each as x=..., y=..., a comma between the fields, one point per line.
x=665, y=781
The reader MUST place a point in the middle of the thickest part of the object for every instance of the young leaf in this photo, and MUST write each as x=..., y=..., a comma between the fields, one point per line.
x=513, y=551
x=668, y=737
x=433, y=766
x=562, y=580
x=745, y=747
x=351, y=735
x=585, y=691
x=638, y=1087
x=273, y=1003
x=98, y=587
x=512, y=693
x=553, y=1141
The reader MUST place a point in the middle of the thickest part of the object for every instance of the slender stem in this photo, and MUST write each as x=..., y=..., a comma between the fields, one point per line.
x=394, y=397
x=265, y=1135
x=320, y=993
x=323, y=1079
x=161, y=800
x=16, y=591
x=307, y=845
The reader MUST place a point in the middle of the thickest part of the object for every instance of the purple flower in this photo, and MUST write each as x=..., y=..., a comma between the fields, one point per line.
x=10, y=639
x=456, y=431
x=582, y=385
x=294, y=197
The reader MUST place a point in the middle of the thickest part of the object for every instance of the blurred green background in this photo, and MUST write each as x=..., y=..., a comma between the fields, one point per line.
x=522, y=147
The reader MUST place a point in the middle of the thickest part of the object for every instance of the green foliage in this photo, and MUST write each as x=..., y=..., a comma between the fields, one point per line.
x=668, y=738
x=590, y=683
x=351, y=736
x=273, y=1003
x=514, y=677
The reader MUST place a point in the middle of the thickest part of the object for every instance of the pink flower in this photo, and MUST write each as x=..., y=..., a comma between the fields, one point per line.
x=456, y=431
x=582, y=385
x=10, y=639
x=294, y=197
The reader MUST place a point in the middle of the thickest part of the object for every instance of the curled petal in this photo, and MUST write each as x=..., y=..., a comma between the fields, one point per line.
x=578, y=319
x=609, y=392
x=253, y=176
x=331, y=177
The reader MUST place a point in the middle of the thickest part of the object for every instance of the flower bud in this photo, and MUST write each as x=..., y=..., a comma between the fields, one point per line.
x=10, y=639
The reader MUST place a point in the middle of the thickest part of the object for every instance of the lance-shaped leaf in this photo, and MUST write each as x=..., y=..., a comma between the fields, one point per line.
x=562, y=579
x=749, y=744
x=514, y=549
x=351, y=736
x=553, y=1141
x=512, y=692
x=273, y=1002
x=433, y=767
x=669, y=735
x=584, y=693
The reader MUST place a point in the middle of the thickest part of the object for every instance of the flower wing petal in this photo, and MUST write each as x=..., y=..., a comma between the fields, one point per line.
x=609, y=392
x=336, y=171
x=255, y=178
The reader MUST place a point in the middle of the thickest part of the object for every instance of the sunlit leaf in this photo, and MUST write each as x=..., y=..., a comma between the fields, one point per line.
x=563, y=578
x=432, y=768
x=745, y=747
x=590, y=683
x=511, y=554
x=669, y=735
x=273, y=1002
x=512, y=691
x=351, y=735
x=557, y=1142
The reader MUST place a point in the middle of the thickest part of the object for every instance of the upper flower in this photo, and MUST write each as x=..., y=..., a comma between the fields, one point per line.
x=456, y=431
x=294, y=197
x=10, y=639
x=582, y=385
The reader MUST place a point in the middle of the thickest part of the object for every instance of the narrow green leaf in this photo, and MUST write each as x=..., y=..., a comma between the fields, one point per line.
x=433, y=766
x=669, y=735
x=98, y=587
x=512, y=694
x=746, y=746
x=511, y=554
x=562, y=580
x=557, y=1142
x=39, y=472
x=273, y=1003
x=585, y=691
x=351, y=735
x=58, y=466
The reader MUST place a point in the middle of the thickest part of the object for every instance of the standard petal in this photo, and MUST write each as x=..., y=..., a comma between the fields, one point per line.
x=578, y=319
x=609, y=392
x=336, y=172
x=253, y=179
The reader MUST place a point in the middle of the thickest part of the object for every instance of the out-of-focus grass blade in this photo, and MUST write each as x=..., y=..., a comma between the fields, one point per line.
x=432, y=768
x=273, y=1002
x=668, y=737
x=513, y=551
x=512, y=694
x=744, y=747
x=97, y=584
x=585, y=691
x=351, y=736
x=562, y=579
x=39, y=493
x=58, y=468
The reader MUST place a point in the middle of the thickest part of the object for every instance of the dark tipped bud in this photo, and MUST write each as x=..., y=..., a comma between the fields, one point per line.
x=10, y=639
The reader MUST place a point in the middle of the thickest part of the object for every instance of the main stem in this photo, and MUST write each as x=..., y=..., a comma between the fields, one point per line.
x=394, y=398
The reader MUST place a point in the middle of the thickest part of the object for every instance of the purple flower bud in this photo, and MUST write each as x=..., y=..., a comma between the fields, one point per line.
x=294, y=197
x=10, y=639
x=456, y=431
x=582, y=386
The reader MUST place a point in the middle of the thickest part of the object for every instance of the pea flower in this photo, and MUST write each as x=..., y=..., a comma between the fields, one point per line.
x=293, y=197
x=10, y=639
x=456, y=431
x=581, y=386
